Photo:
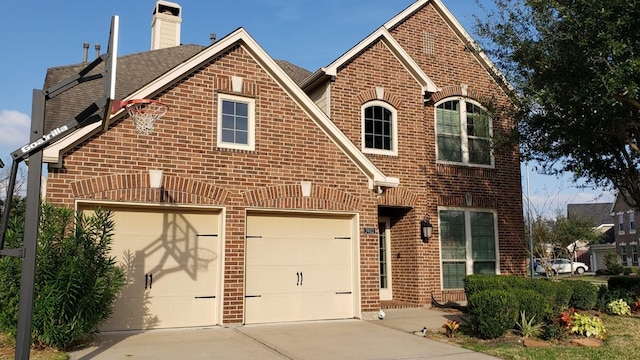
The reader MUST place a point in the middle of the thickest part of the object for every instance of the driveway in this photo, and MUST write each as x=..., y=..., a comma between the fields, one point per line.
x=341, y=339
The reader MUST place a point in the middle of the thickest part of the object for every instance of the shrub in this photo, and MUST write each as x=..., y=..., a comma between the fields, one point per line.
x=492, y=312
x=588, y=326
x=534, y=304
x=76, y=280
x=558, y=293
x=530, y=327
x=584, y=295
x=553, y=331
x=612, y=263
x=628, y=283
x=607, y=295
x=479, y=282
x=619, y=307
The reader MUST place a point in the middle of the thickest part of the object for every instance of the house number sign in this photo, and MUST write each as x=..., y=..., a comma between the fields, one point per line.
x=369, y=230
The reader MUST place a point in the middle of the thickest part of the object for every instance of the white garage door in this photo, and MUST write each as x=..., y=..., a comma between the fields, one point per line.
x=171, y=262
x=299, y=267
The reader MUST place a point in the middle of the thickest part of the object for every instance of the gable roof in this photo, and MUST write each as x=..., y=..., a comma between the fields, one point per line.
x=599, y=213
x=382, y=34
x=53, y=153
x=325, y=72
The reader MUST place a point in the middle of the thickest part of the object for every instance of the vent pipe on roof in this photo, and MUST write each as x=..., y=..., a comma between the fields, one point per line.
x=97, y=50
x=212, y=37
x=85, y=54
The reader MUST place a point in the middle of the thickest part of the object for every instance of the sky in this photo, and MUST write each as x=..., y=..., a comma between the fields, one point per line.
x=38, y=34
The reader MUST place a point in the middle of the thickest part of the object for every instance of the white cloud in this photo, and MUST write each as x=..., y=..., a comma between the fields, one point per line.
x=14, y=130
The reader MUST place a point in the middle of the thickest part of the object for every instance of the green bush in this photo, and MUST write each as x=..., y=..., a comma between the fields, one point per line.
x=629, y=283
x=492, y=312
x=584, y=296
x=76, y=279
x=612, y=264
x=558, y=293
x=534, y=304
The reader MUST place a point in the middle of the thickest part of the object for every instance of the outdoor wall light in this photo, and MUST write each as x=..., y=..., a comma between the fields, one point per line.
x=426, y=229
x=155, y=179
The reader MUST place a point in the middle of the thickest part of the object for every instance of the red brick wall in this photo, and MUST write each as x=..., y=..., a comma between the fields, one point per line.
x=416, y=274
x=113, y=165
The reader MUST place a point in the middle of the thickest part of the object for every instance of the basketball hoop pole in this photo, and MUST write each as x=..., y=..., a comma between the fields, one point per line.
x=33, y=152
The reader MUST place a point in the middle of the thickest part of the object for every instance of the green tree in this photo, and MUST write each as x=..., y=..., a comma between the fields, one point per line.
x=77, y=280
x=575, y=70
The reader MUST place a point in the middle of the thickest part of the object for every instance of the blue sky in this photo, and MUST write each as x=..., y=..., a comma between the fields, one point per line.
x=38, y=34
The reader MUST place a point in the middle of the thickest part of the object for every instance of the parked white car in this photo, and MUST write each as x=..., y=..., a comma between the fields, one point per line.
x=561, y=266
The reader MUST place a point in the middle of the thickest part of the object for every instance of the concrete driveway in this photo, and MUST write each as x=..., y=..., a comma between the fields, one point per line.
x=396, y=337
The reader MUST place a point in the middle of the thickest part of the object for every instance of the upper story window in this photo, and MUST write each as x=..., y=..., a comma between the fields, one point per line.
x=236, y=122
x=621, y=224
x=632, y=223
x=464, y=133
x=379, y=128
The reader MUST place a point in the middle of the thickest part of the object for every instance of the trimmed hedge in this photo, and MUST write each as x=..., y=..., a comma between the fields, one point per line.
x=629, y=283
x=585, y=295
x=534, y=305
x=492, y=312
x=478, y=282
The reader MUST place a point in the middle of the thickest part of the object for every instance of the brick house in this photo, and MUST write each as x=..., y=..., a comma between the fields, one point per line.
x=288, y=195
x=626, y=238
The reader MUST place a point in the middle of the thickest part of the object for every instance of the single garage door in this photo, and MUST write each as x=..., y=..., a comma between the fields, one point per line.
x=299, y=267
x=171, y=261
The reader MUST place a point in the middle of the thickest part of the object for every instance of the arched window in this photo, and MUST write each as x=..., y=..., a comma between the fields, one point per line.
x=379, y=128
x=464, y=131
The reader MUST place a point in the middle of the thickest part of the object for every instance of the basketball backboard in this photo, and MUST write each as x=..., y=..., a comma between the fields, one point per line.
x=111, y=62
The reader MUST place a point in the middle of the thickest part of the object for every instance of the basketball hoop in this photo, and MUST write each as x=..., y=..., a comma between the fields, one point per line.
x=144, y=113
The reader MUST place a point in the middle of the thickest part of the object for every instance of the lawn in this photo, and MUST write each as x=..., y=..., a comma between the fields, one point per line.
x=622, y=342
x=7, y=351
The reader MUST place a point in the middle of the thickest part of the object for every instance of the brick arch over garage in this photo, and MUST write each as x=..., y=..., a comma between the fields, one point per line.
x=290, y=197
x=398, y=197
x=136, y=188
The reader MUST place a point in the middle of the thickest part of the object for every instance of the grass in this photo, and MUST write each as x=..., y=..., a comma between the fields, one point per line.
x=7, y=351
x=622, y=342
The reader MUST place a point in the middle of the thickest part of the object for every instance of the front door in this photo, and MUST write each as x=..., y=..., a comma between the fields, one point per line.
x=385, y=259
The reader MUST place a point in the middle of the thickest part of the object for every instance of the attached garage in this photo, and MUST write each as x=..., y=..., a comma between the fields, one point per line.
x=300, y=267
x=171, y=257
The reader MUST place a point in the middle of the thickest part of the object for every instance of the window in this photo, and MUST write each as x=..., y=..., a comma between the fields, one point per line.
x=379, y=128
x=634, y=254
x=468, y=245
x=632, y=223
x=236, y=123
x=463, y=133
x=623, y=251
x=621, y=223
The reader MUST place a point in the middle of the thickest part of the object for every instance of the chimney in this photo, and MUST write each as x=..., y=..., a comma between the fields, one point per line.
x=97, y=47
x=165, y=25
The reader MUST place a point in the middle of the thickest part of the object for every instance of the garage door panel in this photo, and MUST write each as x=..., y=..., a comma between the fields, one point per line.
x=298, y=267
x=171, y=265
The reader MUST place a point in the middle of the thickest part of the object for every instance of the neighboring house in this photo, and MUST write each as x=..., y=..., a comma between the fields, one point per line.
x=309, y=204
x=600, y=215
x=625, y=231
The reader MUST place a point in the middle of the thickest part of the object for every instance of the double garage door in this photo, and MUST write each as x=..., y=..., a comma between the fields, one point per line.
x=298, y=267
x=171, y=261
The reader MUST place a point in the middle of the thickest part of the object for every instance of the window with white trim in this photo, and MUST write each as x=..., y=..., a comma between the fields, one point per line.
x=623, y=251
x=379, y=128
x=634, y=254
x=468, y=245
x=621, y=223
x=464, y=132
x=236, y=122
x=632, y=223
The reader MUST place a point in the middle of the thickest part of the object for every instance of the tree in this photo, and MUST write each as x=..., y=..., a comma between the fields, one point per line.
x=575, y=70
